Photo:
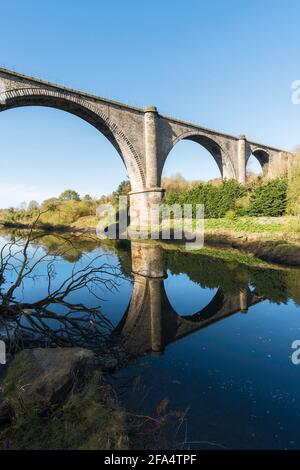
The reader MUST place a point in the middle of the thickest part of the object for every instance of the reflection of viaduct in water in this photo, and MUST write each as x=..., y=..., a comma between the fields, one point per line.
x=150, y=322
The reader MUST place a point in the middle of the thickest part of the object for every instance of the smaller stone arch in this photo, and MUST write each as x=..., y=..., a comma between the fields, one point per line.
x=262, y=156
x=211, y=144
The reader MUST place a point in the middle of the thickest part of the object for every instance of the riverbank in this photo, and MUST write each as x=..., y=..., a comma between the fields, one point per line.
x=60, y=399
x=276, y=250
x=271, y=239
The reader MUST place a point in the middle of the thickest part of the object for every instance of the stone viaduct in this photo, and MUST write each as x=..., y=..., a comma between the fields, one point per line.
x=142, y=137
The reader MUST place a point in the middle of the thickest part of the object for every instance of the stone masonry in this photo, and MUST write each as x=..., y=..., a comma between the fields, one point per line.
x=142, y=137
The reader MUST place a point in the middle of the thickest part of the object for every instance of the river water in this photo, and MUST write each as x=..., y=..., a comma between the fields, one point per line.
x=205, y=337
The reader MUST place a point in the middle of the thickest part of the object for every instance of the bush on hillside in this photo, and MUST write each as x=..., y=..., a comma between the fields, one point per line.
x=217, y=200
x=269, y=199
x=293, y=195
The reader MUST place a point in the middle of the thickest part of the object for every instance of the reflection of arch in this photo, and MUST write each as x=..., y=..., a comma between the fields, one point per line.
x=220, y=306
x=212, y=145
x=150, y=322
x=86, y=111
x=226, y=303
x=208, y=311
x=197, y=294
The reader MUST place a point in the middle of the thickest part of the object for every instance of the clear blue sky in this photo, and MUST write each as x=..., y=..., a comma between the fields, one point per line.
x=225, y=64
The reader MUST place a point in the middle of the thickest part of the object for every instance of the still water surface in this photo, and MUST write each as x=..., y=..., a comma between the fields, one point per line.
x=212, y=338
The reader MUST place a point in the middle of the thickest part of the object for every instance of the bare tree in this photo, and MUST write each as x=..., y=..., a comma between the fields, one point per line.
x=54, y=319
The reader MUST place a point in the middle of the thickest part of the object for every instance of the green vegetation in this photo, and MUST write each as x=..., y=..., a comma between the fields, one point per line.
x=66, y=210
x=269, y=199
x=210, y=268
x=69, y=195
x=264, y=207
x=249, y=224
x=88, y=419
x=293, y=194
x=260, y=218
x=229, y=198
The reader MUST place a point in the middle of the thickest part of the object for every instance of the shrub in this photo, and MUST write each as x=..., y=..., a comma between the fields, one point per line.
x=269, y=199
x=175, y=197
x=217, y=200
x=230, y=199
x=293, y=194
x=230, y=214
x=242, y=204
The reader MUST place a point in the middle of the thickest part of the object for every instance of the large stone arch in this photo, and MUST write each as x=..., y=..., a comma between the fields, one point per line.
x=213, y=145
x=86, y=110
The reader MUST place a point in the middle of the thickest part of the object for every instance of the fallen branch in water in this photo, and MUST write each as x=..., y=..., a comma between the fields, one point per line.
x=56, y=318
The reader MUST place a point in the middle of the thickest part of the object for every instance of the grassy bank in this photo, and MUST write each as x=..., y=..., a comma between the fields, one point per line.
x=66, y=403
x=272, y=239
x=272, y=227
x=268, y=227
x=59, y=399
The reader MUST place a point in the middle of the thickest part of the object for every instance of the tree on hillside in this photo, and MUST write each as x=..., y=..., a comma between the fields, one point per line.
x=33, y=205
x=123, y=189
x=69, y=195
x=293, y=196
x=50, y=204
x=177, y=182
x=22, y=206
